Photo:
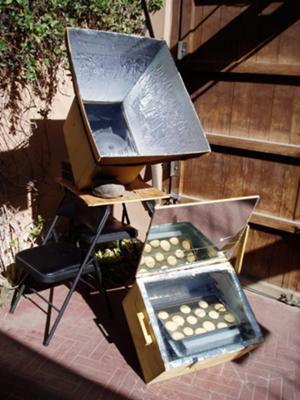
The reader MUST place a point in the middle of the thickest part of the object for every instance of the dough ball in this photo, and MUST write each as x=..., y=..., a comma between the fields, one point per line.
x=147, y=248
x=171, y=326
x=142, y=270
x=221, y=325
x=229, y=318
x=199, y=331
x=192, y=320
x=174, y=241
x=185, y=309
x=203, y=304
x=163, y=267
x=188, y=331
x=163, y=315
x=214, y=314
x=220, y=307
x=159, y=257
x=178, y=319
x=209, y=326
x=142, y=261
x=199, y=312
x=179, y=253
x=154, y=243
x=177, y=335
x=165, y=245
x=150, y=262
x=172, y=260
x=191, y=257
x=186, y=245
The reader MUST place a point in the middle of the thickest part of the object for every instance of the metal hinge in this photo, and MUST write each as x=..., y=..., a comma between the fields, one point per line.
x=182, y=49
x=174, y=168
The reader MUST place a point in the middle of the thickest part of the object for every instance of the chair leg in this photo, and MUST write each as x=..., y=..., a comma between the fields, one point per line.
x=16, y=298
x=49, y=336
x=49, y=312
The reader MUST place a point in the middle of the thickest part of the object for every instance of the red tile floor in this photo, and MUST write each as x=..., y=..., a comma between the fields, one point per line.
x=92, y=358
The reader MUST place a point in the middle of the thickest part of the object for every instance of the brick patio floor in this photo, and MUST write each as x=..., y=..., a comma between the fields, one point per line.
x=90, y=359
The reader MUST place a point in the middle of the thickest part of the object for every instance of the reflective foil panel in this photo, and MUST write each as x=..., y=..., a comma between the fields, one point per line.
x=133, y=100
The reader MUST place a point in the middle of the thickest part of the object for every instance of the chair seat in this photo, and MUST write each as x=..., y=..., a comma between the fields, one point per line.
x=52, y=262
x=114, y=230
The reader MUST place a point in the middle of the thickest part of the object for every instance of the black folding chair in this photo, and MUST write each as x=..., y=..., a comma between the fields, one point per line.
x=59, y=261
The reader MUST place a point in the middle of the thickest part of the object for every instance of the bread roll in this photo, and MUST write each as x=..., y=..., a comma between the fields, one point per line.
x=178, y=319
x=221, y=325
x=163, y=315
x=177, y=335
x=170, y=326
x=185, y=309
x=199, y=312
x=147, y=248
x=203, y=304
x=199, y=330
x=188, y=331
x=229, y=318
x=186, y=245
x=172, y=261
x=154, y=243
x=191, y=257
x=220, y=307
x=213, y=314
x=149, y=262
x=179, y=253
x=159, y=257
x=192, y=320
x=174, y=241
x=209, y=326
x=165, y=245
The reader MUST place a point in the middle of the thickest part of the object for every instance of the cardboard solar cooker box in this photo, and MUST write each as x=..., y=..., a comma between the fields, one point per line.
x=131, y=107
x=187, y=310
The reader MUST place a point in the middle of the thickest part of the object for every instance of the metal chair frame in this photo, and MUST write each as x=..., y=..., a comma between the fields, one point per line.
x=88, y=261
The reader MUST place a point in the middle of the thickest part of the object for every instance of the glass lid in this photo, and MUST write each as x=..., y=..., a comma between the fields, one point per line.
x=196, y=233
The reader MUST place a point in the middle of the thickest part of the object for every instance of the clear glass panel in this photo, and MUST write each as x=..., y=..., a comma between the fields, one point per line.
x=109, y=128
x=181, y=235
x=199, y=313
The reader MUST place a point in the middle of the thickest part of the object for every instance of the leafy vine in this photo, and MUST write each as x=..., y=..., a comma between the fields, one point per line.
x=32, y=41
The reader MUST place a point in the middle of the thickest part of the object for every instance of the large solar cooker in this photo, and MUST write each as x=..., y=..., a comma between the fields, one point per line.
x=187, y=309
x=131, y=107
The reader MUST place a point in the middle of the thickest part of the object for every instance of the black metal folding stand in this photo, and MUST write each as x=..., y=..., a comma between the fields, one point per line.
x=53, y=263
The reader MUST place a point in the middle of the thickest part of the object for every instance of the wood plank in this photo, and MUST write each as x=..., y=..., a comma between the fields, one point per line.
x=233, y=177
x=260, y=110
x=209, y=177
x=289, y=191
x=242, y=94
x=289, y=52
x=272, y=221
x=136, y=191
x=212, y=24
x=197, y=28
x=263, y=146
x=246, y=67
x=268, y=54
x=282, y=114
x=295, y=129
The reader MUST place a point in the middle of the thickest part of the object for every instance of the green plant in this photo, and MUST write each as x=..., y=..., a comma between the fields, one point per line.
x=32, y=40
x=37, y=228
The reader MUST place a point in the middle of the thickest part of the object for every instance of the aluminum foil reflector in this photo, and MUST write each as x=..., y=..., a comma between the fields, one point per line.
x=133, y=102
